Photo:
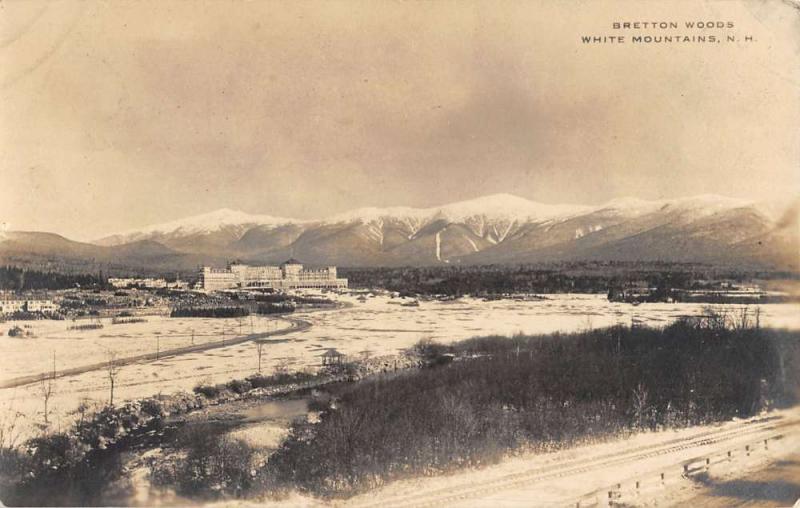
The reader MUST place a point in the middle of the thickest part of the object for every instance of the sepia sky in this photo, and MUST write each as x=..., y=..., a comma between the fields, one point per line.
x=114, y=115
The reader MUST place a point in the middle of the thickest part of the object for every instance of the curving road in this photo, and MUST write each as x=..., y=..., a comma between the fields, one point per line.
x=296, y=325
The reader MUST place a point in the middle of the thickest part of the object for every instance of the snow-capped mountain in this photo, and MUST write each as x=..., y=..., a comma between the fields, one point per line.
x=499, y=228
x=205, y=224
x=490, y=217
x=493, y=207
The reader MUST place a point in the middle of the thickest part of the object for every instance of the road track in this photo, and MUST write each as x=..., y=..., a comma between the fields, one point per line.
x=296, y=325
x=476, y=490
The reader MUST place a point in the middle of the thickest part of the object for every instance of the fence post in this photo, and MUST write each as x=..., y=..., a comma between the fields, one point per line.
x=766, y=446
x=747, y=449
x=662, y=479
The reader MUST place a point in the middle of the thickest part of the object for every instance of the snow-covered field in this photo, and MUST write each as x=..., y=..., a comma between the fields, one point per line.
x=374, y=327
x=54, y=341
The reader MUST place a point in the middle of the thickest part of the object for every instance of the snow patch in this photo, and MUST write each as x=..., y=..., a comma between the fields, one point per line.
x=706, y=203
x=493, y=208
x=201, y=224
x=580, y=232
x=376, y=228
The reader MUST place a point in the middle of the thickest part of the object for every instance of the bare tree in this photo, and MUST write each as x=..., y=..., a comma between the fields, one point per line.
x=259, y=349
x=640, y=403
x=112, y=368
x=741, y=319
x=46, y=387
x=716, y=320
x=81, y=410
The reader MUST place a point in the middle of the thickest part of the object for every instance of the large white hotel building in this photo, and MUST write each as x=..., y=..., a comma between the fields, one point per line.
x=289, y=275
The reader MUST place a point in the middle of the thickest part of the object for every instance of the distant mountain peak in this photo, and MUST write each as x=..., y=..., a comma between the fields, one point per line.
x=198, y=224
x=505, y=206
x=509, y=206
x=628, y=202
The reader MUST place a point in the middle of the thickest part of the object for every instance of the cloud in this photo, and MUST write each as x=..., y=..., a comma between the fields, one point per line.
x=140, y=112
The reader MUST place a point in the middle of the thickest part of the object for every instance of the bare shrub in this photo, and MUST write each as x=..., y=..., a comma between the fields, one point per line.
x=46, y=388
x=215, y=465
x=640, y=405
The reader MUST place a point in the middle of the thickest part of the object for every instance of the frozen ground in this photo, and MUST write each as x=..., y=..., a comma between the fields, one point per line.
x=54, y=341
x=374, y=327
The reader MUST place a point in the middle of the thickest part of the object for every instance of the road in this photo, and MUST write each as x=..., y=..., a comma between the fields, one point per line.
x=295, y=325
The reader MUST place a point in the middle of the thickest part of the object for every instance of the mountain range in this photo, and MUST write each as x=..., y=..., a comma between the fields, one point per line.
x=495, y=229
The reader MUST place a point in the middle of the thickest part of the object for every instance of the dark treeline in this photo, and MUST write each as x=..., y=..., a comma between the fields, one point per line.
x=723, y=299
x=22, y=315
x=540, y=393
x=210, y=312
x=271, y=298
x=19, y=279
x=579, y=277
x=275, y=308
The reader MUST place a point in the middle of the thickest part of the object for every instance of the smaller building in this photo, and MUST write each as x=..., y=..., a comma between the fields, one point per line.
x=332, y=357
x=11, y=305
x=41, y=305
x=129, y=282
x=179, y=285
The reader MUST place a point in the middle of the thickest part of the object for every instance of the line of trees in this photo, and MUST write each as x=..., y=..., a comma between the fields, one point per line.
x=581, y=277
x=210, y=312
x=20, y=279
x=275, y=308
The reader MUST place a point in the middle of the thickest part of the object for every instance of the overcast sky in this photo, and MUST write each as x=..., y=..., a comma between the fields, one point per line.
x=120, y=114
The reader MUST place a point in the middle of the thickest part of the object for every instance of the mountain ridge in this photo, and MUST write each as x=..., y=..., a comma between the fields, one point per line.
x=498, y=228
x=501, y=205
